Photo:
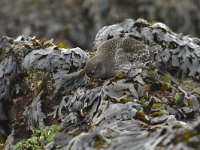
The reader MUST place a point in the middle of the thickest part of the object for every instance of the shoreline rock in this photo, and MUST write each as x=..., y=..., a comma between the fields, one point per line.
x=153, y=106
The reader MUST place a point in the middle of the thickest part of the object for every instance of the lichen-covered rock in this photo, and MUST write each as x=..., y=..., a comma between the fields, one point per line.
x=33, y=72
x=176, y=52
x=148, y=109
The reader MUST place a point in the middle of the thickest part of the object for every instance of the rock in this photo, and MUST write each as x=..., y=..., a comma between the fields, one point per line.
x=159, y=119
x=43, y=85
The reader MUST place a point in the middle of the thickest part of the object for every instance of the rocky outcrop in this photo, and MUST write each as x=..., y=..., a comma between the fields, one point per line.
x=150, y=109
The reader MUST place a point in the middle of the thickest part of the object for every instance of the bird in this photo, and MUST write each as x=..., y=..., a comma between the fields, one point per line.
x=115, y=55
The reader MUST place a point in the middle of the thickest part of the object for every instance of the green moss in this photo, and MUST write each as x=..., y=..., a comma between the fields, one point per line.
x=177, y=98
x=39, y=138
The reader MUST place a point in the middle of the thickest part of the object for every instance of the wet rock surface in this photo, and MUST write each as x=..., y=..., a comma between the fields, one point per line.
x=153, y=108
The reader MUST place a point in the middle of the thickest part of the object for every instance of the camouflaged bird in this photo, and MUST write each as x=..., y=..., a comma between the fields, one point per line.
x=116, y=54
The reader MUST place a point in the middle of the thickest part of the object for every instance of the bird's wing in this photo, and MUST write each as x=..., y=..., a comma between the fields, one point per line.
x=109, y=46
x=132, y=51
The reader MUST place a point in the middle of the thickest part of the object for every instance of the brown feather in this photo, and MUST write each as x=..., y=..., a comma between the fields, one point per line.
x=116, y=53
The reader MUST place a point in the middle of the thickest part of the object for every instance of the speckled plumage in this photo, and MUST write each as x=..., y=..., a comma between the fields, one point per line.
x=115, y=54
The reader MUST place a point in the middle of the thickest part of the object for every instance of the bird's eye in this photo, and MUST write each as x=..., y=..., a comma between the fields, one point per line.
x=95, y=69
x=93, y=72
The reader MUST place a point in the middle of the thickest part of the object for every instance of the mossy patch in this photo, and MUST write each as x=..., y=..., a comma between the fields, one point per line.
x=39, y=138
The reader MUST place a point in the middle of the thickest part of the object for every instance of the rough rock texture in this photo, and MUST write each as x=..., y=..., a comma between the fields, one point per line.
x=150, y=109
x=75, y=22
x=175, y=51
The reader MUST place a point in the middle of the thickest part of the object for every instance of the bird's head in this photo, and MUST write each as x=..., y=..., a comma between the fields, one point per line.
x=95, y=68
